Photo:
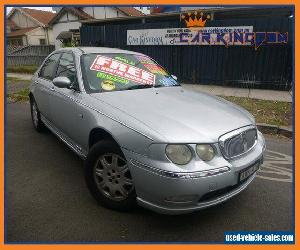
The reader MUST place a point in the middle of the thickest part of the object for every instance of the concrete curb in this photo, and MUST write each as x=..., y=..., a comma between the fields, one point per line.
x=273, y=129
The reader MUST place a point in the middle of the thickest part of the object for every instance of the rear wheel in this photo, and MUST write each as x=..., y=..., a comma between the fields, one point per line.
x=108, y=177
x=36, y=116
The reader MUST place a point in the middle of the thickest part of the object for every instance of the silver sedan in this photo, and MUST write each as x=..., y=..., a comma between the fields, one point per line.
x=145, y=140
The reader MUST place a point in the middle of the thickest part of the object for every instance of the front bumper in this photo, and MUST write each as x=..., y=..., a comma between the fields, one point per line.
x=177, y=193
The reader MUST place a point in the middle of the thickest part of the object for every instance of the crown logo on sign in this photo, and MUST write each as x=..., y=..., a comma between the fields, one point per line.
x=195, y=20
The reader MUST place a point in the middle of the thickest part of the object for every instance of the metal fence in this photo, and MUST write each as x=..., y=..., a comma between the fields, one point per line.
x=29, y=55
x=269, y=67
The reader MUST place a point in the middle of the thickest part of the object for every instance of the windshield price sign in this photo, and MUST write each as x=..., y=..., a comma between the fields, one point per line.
x=117, y=68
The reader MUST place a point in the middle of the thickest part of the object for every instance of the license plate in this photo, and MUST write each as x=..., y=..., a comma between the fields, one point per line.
x=244, y=174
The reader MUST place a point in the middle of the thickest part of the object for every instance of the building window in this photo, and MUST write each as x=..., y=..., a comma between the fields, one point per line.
x=42, y=41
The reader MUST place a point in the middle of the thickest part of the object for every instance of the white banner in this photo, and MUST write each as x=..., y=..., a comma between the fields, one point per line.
x=234, y=35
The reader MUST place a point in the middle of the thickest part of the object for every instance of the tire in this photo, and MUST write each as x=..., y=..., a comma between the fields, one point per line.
x=108, y=177
x=36, y=117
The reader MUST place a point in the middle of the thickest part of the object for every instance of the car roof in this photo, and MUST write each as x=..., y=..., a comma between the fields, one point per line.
x=87, y=50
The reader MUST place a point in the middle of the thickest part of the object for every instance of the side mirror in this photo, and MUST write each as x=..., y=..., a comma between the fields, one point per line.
x=174, y=77
x=62, y=82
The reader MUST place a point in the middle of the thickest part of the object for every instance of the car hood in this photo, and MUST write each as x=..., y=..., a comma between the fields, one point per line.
x=177, y=114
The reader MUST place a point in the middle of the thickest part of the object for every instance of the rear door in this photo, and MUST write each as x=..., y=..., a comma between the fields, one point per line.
x=44, y=86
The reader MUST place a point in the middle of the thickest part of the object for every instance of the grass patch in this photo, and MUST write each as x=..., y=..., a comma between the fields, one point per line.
x=21, y=95
x=27, y=69
x=269, y=112
x=10, y=79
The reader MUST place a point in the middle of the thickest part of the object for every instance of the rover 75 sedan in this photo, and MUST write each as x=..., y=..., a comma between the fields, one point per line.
x=143, y=137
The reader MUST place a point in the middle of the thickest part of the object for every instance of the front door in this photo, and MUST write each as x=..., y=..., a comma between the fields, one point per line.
x=64, y=102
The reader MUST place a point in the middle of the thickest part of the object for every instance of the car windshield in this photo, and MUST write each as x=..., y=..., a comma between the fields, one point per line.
x=117, y=72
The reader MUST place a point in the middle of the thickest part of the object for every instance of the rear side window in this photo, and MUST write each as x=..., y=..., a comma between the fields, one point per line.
x=66, y=67
x=49, y=68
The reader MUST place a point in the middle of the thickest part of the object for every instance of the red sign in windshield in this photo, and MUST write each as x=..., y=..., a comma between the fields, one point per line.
x=117, y=68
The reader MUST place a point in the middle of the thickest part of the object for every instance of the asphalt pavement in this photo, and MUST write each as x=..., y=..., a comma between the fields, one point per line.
x=47, y=200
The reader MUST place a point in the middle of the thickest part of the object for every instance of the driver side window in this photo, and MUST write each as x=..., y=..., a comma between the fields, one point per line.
x=67, y=68
x=48, y=69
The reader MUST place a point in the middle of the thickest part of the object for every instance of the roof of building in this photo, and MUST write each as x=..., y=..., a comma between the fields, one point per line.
x=20, y=32
x=130, y=11
x=42, y=16
x=74, y=10
x=77, y=11
x=64, y=35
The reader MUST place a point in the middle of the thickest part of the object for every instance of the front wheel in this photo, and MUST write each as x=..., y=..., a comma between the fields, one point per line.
x=108, y=177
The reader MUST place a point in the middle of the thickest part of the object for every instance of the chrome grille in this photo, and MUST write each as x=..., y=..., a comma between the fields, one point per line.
x=238, y=142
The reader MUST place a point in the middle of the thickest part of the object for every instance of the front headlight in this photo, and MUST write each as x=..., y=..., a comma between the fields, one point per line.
x=205, y=152
x=179, y=154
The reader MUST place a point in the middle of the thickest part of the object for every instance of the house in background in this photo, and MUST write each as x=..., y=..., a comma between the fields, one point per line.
x=66, y=23
x=26, y=26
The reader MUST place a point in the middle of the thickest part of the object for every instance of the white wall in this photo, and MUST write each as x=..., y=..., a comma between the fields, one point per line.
x=34, y=36
x=51, y=37
x=22, y=20
x=67, y=17
x=103, y=12
x=24, y=38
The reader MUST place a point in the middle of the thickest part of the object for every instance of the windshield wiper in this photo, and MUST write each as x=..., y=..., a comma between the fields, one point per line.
x=140, y=86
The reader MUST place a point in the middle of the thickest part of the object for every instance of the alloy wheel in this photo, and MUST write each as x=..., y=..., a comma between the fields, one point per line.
x=112, y=177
